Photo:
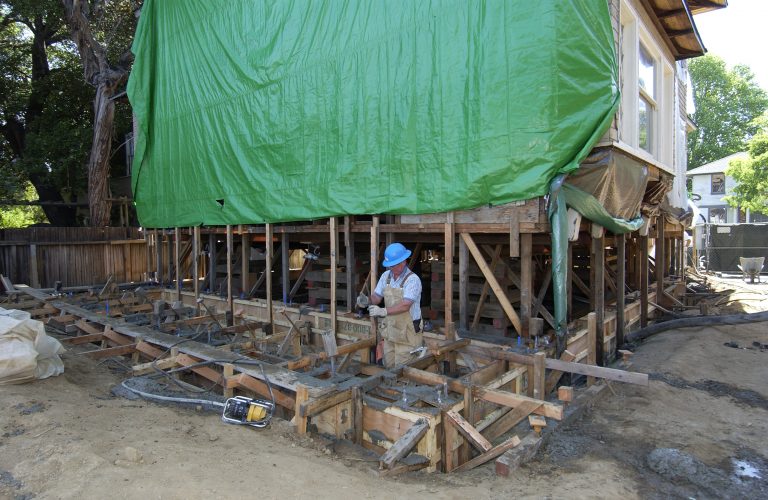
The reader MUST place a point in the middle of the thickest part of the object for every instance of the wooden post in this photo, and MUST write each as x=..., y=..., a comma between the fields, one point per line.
x=621, y=262
x=643, y=241
x=591, y=342
x=285, y=266
x=450, y=332
x=230, y=254
x=374, y=274
x=268, y=274
x=171, y=260
x=526, y=281
x=148, y=249
x=229, y=371
x=334, y=265
x=212, y=261
x=245, y=259
x=597, y=262
x=569, y=282
x=661, y=260
x=349, y=263
x=196, y=264
x=158, y=256
x=357, y=415
x=539, y=379
x=176, y=259
x=302, y=395
x=463, y=279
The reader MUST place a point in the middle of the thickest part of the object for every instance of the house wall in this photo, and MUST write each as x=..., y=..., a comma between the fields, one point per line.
x=702, y=186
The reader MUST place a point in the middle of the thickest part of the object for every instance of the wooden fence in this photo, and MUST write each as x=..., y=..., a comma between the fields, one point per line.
x=76, y=256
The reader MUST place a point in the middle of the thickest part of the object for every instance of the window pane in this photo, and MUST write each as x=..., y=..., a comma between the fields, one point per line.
x=644, y=124
x=717, y=216
x=718, y=184
x=646, y=72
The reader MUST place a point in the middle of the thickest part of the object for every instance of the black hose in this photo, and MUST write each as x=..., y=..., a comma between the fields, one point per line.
x=730, y=319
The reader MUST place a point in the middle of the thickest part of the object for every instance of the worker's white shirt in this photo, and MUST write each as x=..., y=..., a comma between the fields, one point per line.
x=411, y=289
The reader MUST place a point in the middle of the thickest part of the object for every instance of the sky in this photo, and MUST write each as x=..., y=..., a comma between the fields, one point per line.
x=738, y=35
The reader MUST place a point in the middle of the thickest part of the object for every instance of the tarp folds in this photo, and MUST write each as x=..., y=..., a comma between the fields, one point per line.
x=276, y=111
x=26, y=352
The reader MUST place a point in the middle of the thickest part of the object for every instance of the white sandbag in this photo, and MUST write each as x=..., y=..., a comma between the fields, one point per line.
x=26, y=352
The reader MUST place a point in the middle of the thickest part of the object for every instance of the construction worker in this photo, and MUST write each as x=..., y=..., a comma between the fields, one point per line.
x=401, y=290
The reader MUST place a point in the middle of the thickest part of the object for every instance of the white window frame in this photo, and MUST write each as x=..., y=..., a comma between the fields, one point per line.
x=634, y=31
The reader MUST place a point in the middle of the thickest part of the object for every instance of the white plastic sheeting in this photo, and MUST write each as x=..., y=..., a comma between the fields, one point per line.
x=26, y=352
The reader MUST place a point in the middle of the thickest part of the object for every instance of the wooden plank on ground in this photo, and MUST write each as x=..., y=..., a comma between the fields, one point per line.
x=510, y=419
x=403, y=445
x=82, y=339
x=470, y=433
x=111, y=351
x=514, y=400
x=489, y=455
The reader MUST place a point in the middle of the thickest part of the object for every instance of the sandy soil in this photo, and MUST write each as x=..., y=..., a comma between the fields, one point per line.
x=707, y=405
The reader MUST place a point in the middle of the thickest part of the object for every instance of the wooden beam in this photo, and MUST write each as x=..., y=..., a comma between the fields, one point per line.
x=334, y=235
x=230, y=255
x=620, y=241
x=254, y=385
x=526, y=281
x=374, y=272
x=463, y=280
x=510, y=419
x=407, y=441
x=245, y=259
x=302, y=395
x=470, y=433
x=643, y=242
x=285, y=266
x=349, y=263
x=269, y=263
x=597, y=261
x=513, y=400
x=497, y=290
x=176, y=259
x=196, y=263
x=591, y=343
x=110, y=351
x=489, y=455
x=539, y=379
x=449, y=235
x=486, y=288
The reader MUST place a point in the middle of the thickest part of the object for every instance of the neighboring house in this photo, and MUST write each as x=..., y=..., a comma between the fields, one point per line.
x=710, y=185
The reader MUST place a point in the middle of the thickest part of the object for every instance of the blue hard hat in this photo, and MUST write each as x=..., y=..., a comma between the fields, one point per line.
x=395, y=254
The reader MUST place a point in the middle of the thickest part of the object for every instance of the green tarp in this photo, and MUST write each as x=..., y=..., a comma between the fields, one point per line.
x=266, y=111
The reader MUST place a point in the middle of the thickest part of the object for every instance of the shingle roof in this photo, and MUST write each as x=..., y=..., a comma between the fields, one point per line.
x=717, y=166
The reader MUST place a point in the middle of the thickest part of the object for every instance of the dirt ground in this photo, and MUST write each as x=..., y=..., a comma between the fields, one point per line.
x=699, y=430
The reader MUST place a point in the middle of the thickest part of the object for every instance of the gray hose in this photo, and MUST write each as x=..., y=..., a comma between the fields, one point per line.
x=157, y=397
x=730, y=319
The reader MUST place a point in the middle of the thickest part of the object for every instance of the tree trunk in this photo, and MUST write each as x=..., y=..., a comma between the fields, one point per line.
x=101, y=150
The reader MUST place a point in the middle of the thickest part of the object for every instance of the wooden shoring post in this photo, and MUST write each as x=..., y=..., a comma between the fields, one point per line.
x=643, y=242
x=349, y=263
x=374, y=273
x=357, y=415
x=196, y=266
x=621, y=263
x=158, y=256
x=334, y=264
x=497, y=290
x=597, y=262
x=230, y=254
x=526, y=281
x=228, y=372
x=176, y=258
x=171, y=260
x=539, y=379
x=148, y=252
x=285, y=266
x=463, y=281
x=212, y=260
x=302, y=395
x=450, y=237
x=268, y=273
x=660, y=259
x=245, y=259
x=514, y=235
x=591, y=342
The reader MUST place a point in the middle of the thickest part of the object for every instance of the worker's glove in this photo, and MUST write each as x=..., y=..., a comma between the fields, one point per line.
x=362, y=301
x=376, y=311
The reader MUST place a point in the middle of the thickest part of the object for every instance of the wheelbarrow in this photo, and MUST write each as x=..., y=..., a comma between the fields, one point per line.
x=751, y=266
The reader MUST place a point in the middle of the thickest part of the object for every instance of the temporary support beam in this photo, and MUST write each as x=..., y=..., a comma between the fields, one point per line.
x=334, y=265
x=597, y=263
x=285, y=267
x=661, y=261
x=643, y=241
x=349, y=263
x=526, y=281
x=230, y=254
x=170, y=259
x=489, y=455
x=497, y=290
x=539, y=378
x=463, y=280
x=569, y=284
x=176, y=260
x=450, y=237
x=621, y=263
x=268, y=272
x=405, y=444
x=158, y=256
x=468, y=431
x=374, y=272
x=591, y=342
x=212, y=262
x=245, y=259
x=196, y=263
